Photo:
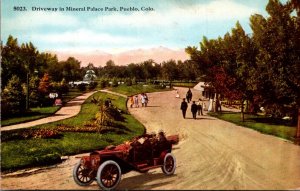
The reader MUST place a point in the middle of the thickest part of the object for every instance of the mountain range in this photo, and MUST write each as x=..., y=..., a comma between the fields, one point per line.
x=99, y=58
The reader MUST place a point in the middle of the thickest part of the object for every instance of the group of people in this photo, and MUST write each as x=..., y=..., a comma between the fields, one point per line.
x=195, y=107
x=134, y=100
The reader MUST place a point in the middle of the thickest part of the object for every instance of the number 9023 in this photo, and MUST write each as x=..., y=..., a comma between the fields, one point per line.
x=18, y=8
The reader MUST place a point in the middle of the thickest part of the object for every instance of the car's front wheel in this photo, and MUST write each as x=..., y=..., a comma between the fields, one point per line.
x=108, y=175
x=82, y=176
x=169, y=165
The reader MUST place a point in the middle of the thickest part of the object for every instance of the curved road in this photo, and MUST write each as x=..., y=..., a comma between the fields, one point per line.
x=212, y=154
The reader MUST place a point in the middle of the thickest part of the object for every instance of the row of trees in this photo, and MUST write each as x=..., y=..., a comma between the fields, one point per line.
x=25, y=59
x=27, y=72
x=148, y=70
x=262, y=67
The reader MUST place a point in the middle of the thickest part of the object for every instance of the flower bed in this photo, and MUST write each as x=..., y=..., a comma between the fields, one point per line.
x=29, y=134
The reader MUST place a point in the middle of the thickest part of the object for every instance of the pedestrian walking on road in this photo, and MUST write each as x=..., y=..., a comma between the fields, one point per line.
x=143, y=100
x=146, y=99
x=194, y=109
x=218, y=105
x=183, y=107
x=200, y=106
x=131, y=101
x=189, y=95
x=136, y=101
x=177, y=94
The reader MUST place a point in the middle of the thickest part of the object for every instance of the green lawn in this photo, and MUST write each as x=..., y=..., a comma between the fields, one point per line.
x=184, y=84
x=34, y=114
x=137, y=89
x=18, y=154
x=277, y=127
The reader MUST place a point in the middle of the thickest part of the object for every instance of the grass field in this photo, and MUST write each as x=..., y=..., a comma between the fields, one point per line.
x=184, y=84
x=18, y=154
x=34, y=114
x=137, y=89
x=277, y=127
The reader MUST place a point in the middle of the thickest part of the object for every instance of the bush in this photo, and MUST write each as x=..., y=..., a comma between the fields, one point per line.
x=46, y=101
x=81, y=87
x=114, y=82
x=128, y=82
x=93, y=85
x=163, y=86
x=115, y=113
x=133, y=81
x=103, y=83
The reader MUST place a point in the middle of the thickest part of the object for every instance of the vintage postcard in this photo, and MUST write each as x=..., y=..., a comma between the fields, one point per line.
x=150, y=95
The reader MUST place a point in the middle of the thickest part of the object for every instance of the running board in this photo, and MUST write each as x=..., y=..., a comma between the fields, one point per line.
x=149, y=168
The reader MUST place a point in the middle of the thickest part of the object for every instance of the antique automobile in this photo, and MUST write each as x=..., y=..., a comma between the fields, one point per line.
x=141, y=154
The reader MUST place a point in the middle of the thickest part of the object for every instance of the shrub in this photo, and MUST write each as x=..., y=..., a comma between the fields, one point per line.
x=93, y=85
x=133, y=81
x=114, y=82
x=103, y=83
x=46, y=101
x=81, y=87
x=128, y=82
x=115, y=113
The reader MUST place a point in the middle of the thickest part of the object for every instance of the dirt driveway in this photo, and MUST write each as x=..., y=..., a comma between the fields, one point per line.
x=212, y=154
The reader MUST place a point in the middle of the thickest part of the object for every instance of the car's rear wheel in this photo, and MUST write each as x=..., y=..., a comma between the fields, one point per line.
x=169, y=165
x=82, y=176
x=108, y=175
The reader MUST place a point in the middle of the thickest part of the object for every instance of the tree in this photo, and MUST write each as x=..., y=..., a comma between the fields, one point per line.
x=34, y=95
x=245, y=65
x=169, y=70
x=51, y=66
x=29, y=55
x=277, y=37
x=12, y=63
x=44, y=86
x=71, y=69
x=13, y=97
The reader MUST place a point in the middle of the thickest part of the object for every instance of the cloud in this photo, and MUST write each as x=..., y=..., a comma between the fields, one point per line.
x=220, y=10
x=31, y=20
x=83, y=40
x=174, y=26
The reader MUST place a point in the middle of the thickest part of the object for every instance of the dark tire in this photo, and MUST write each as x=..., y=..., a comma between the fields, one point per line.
x=82, y=176
x=169, y=165
x=109, y=175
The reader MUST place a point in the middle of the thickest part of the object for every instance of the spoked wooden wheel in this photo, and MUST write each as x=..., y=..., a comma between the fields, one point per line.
x=169, y=165
x=109, y=175
x=82, y=176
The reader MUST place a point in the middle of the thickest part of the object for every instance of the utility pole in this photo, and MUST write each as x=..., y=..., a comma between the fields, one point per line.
x=298, y=127
x=27, y=92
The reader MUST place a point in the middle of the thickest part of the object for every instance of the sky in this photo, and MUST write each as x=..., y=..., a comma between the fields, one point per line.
x=173, y=24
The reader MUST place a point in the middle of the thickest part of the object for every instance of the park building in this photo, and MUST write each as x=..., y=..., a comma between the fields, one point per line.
x=89, y=76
